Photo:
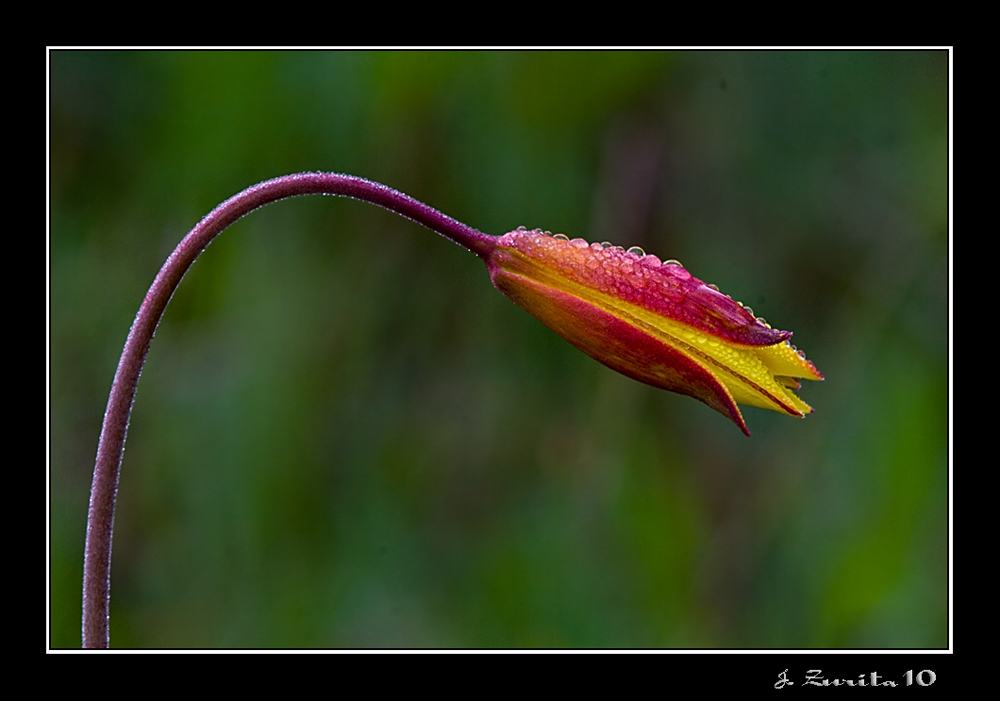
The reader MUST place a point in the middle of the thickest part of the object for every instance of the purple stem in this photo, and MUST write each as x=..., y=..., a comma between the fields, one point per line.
x=101, y=518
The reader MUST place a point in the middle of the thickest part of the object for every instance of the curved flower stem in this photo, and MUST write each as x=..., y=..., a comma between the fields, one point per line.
x=100, y=519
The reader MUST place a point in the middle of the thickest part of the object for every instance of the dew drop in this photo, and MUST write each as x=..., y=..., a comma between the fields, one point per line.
x=635, y=250
x=673, y=262
x=714, y=287
x=561, y=237
x=605, y=244
x=579, y=243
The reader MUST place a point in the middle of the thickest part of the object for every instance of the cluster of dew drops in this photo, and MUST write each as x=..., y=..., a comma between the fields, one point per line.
x=650, y=260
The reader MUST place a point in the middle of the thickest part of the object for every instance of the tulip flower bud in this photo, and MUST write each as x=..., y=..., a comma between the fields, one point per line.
x=652, y=321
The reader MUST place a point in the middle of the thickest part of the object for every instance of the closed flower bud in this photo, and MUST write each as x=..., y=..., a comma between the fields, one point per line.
x=652, y=321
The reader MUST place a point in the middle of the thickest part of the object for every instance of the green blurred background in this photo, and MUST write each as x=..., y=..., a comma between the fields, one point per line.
x=344, y=436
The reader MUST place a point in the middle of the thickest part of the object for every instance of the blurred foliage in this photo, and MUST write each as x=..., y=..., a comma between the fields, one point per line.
x=344, y=436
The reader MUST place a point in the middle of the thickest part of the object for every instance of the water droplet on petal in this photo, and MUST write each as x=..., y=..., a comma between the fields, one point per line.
x=561, y=237
x=673, y=262
x=635, y=250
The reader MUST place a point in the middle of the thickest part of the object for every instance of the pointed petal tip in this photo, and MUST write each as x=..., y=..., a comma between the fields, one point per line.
x=814, y=374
